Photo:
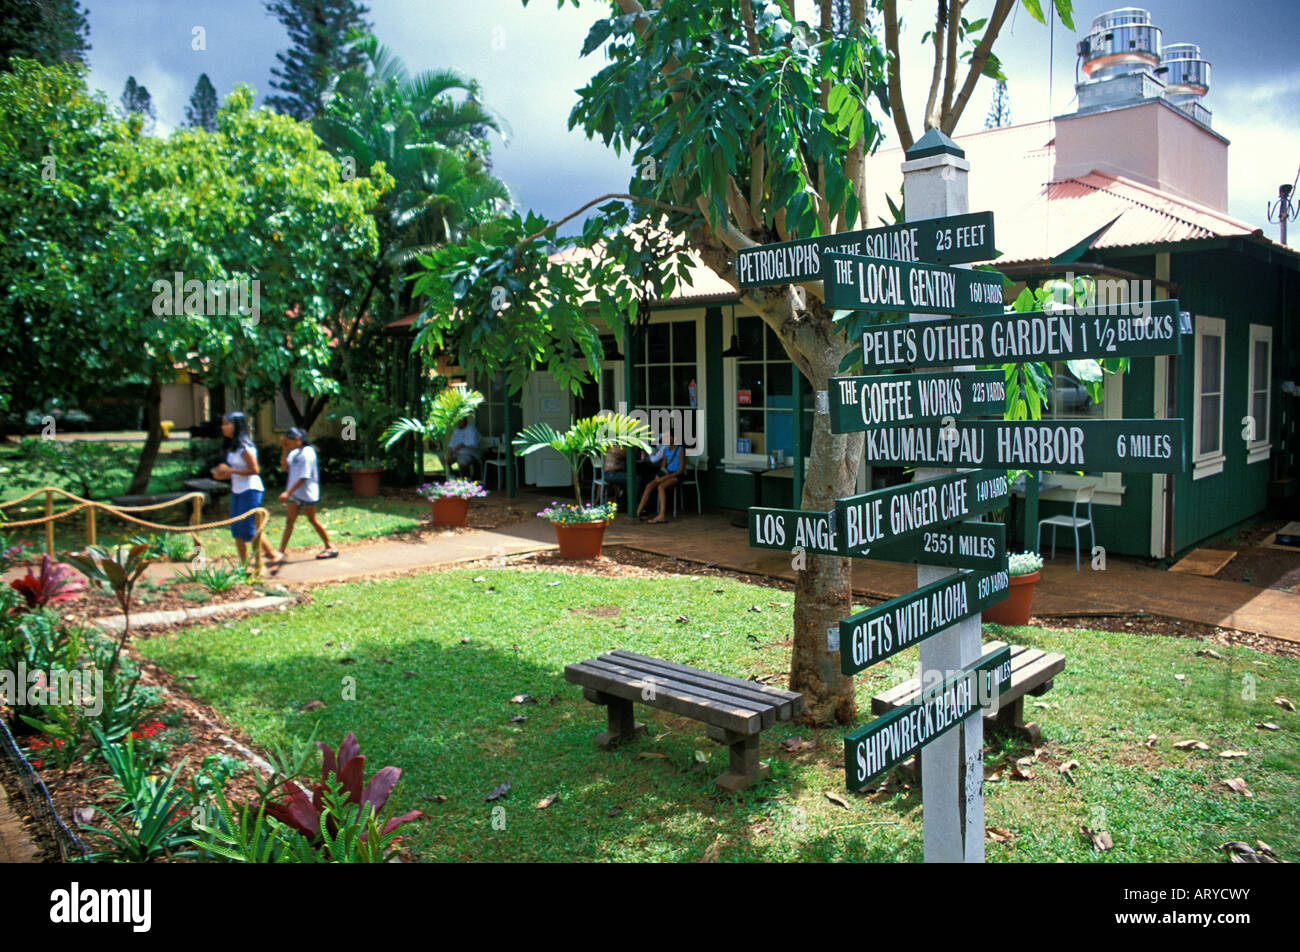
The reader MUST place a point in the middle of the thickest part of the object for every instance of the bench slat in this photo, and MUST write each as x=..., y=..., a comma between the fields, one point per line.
x=782, y=707
x=669, y=697
x=705, y=696
x=1030, y=667
x=779, y=694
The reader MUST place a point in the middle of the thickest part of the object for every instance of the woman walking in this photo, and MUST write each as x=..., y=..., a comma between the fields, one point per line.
x=241, y=468
x=298, y=459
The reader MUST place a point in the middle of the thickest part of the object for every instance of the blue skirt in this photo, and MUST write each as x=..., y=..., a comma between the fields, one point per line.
x=241, y=503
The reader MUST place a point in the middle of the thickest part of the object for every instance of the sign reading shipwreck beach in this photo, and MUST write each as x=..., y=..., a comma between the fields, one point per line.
x=1090, y=446
x=1142, y=329
x=883, y=630
x=957, y=239
x=881, y=284
x=889, y=740
x=860, y=403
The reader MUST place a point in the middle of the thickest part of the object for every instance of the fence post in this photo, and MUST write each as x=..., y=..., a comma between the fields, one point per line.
x=90, y=525
x=49, y=523
x=196, y=510
x=257, y=545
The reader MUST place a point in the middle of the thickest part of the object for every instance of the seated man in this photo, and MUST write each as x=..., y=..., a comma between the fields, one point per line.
x=463, y=447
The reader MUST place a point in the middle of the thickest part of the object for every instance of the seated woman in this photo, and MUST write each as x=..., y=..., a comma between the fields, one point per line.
x=670, y=470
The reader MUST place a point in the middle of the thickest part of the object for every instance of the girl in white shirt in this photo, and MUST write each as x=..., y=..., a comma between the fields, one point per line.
x=299, y=460
x=241, y=468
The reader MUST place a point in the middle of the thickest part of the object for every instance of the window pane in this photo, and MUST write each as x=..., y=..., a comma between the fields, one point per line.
x=1259, y=410
x=774, y=349
x=684, y=341
x=750, y=377
x=750, y=331
x=1210, y=346
x=779, y=383
x=683, y=374
x=780, y=432
x=657, y=343
x=1209, y=424
x=660, y=387
x=1260, y=378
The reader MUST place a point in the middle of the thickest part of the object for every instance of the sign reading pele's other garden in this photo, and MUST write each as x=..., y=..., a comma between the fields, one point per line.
x=860, y=403
x=880, y=284
x=886, y=629
x=1137, y=330
x=957, y=239
x=1090, y=446
x=893, y=737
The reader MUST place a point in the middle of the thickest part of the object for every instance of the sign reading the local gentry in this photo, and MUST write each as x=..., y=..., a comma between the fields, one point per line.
x=881, y=284
x=1133, y=330
x=1090, y=446
x=901, y=512
x=965, y=545
x=860, y=403
x=877, y=633
x=957, y=239
x=891, y=738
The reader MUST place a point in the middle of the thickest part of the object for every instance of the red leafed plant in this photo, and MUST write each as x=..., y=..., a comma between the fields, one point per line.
x=56, y=583
x=303, y=813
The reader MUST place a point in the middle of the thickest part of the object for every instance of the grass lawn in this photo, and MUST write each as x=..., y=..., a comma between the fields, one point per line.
x=438, y=706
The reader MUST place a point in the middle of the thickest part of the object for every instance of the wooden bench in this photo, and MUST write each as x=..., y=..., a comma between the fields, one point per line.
x=1032, y=672
x=734, y=711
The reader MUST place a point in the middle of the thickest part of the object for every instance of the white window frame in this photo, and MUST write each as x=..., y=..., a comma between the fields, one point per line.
x=701, y=448
x=1260, y=448
x=1109, y=486
x=730, y=419
x=1211, y=463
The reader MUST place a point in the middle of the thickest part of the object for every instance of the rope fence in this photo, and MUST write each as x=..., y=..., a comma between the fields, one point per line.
x=42, y=808
x=196, y=500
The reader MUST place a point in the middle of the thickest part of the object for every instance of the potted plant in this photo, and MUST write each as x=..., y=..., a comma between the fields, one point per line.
x=580, y=529
x=365, y=475
x=449, y=500
x=1025, y=568
x=448, y=408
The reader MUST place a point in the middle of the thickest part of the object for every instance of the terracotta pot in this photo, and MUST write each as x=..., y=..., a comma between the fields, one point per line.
x=365, y=482
x=1014, y=609
x=450, y=510
x=581, y=540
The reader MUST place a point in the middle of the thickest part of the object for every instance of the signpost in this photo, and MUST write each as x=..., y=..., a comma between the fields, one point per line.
x=1143, y=329
x=889, y=740
x=881, y=284
x=955, y=239
x=860, y=403
x=1090, y=446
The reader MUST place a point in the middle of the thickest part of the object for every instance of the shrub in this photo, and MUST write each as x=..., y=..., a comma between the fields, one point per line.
x=56, y=583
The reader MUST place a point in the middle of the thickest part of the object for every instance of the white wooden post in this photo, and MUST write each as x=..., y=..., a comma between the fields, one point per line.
x=952, y=767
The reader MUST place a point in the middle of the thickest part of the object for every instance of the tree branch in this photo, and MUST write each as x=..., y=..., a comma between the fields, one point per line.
x=857, y=169
x=950, y=71
x=896, y=107
x=595, y=201
x=936, y=72
x=977, y=61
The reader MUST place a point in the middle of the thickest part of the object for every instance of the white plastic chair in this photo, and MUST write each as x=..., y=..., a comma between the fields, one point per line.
x=598, y=479
x=1072, y=521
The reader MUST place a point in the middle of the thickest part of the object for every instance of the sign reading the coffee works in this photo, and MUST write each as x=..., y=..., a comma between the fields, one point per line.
x=957, y=239
x=880, y=284
x=860, y=403
x=1090, y=446
x=891, y=738
x=1144, y=329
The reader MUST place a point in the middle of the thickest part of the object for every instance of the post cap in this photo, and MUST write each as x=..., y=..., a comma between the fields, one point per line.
x=934, y=142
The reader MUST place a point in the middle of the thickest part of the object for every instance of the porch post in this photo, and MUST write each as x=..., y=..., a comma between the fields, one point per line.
x=629, y=458
x=1031, y=511
x=508, y=425
x=797, y=498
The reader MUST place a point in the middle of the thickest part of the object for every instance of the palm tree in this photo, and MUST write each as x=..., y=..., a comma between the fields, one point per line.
x=446, y=410
x=587, y=439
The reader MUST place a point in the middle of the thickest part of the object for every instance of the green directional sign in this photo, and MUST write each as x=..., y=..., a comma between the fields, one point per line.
x=967, y=545
x=860, y=403
x=875, y=634
x=1090, y=446
x=902, y=512
x=1141, y=329
x=957, y=239
x=891, y=738
x=880, y=284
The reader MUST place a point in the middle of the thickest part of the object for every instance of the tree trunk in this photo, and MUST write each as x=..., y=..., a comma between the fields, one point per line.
x=306, y=416
x=153, y=439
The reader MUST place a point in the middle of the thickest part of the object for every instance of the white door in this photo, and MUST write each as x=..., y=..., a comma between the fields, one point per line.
x=545, y=401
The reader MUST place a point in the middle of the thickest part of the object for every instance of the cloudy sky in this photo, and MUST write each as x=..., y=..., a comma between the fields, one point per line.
x=528, y=64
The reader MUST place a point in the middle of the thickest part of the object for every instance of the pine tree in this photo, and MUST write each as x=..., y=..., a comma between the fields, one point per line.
x=999, y=107
x=48, y=31
x=136, y=98
x=201, y=113
x=318, y=30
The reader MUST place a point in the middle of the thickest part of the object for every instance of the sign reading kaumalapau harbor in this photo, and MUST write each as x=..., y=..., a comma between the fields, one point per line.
x=880, y=284
x=1090, y=446
x=1143, y=329
x=957, y=239
x=860, y=403
x=893, y=737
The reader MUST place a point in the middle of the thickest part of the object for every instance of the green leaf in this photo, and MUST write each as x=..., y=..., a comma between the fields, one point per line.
x=1035, y=9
